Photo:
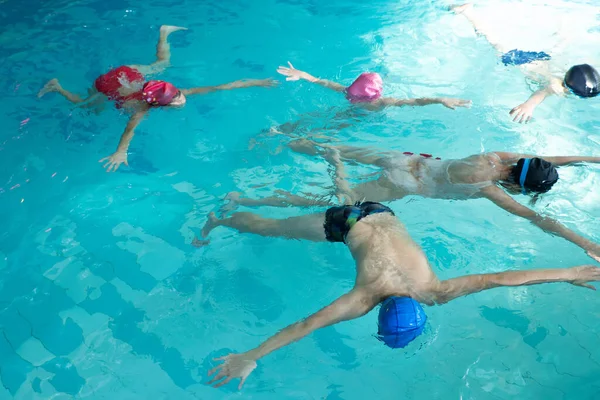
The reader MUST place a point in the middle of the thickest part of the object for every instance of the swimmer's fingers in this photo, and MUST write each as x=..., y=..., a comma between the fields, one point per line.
x=584, y=285
x=521, y=114
x=215, y=369
x=291, y=66
x=514, y=112
x=218, y=377
x=270, y=82
x=225, y=382
x=517, y=115
x=242, y=381
x=290, y=76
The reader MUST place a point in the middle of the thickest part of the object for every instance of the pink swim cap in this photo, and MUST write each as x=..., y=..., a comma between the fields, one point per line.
x=159, y=93
x=366, y=88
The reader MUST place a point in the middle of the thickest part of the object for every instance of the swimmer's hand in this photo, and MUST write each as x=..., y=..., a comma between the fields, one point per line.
x=585, y=273
x=234, y=366
x=114, y=161
x=523, y=112
x=293, y=74
x=268, y=83
x=453, y=103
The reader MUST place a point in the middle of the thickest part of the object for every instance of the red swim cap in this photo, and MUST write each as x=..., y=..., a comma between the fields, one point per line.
x=366, y=88
x=159, y=93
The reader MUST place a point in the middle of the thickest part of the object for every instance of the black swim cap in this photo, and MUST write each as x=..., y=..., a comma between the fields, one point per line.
x=534, y=174
x=583, y=80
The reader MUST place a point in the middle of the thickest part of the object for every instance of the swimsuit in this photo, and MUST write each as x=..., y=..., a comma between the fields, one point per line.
x=520, y=57
x=430, y=177
x=339, y=220
x=111, y=82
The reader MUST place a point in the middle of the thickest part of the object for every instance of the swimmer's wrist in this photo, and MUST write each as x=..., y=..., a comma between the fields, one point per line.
x=254, y=354
x=309, y=77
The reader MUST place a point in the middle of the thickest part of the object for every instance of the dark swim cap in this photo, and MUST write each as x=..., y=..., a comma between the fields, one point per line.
x=534, y=174
x=583, y=80
x=401, y=320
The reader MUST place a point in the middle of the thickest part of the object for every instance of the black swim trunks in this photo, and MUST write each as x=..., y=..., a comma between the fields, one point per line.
x=339, y=220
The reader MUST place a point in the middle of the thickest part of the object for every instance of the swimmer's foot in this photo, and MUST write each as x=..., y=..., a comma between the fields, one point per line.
x=304, y=146
x=211, y=223
x=166, y=30
x=287, y=195
x=459, y=9
x=200, y=243
x=332, y=156
x=51, y=86
x=233, y=199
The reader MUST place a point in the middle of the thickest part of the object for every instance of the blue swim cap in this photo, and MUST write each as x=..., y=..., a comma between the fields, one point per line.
x=401, y=320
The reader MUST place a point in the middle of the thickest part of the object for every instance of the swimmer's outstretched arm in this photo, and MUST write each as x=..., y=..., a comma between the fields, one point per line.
x=352, y=305
x=503, y=200
x=480, y=26
x=120, y=156
x=293, y=74
x=241, y=84
x=524, y=112
x=558, y=161
x=448, y=102
x=465, y=285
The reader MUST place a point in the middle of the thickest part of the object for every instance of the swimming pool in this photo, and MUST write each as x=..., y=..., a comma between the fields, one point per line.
x=103, y=297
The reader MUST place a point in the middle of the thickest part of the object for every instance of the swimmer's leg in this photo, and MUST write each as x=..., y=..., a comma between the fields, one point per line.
x=361, y=155
x=480, y=26
x=284, y=199
x=163, y=52
x=343, y=192
x=54, y=86
x=307, y=227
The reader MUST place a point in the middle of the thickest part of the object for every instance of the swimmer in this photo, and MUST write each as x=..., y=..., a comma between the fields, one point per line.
x=581, y=80
x=494, y=176
x=366, y=91
x=128, y=87
x=391, y=270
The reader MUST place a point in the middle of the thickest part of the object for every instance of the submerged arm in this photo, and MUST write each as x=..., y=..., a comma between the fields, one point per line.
x=293, y=74
x=524, y=112
x=120, y=155
x=344, y=193
x=462, y=286
x=241, y=84
x=425, y=101
x=350, y=306
x=558, y=161
x=501, y=199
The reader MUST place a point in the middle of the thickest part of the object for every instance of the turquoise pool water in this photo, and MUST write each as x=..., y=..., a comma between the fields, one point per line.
x=101, y=294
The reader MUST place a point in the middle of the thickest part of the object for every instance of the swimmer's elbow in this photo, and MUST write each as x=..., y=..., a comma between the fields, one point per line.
x=462, y=286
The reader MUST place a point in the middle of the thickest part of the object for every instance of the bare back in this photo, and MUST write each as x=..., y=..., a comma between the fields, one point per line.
x=388, y=261
x=445, y=179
